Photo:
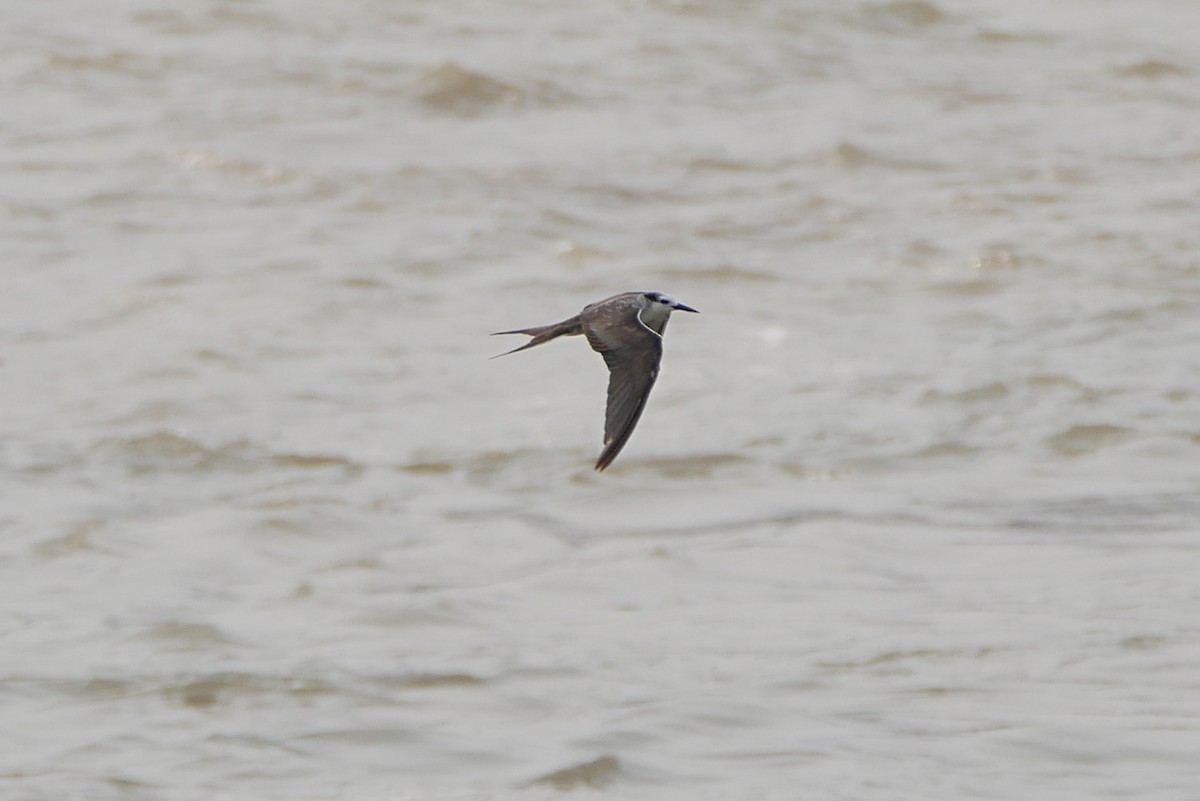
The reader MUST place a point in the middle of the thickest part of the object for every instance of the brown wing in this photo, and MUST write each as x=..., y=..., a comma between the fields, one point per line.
x=632, y=352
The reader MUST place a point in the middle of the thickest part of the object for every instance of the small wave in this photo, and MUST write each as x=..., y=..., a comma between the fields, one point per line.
x=726, y=273
x=854, y=156
x=427, y=468
x=946, y=449
x=219, y=18
x=997, y=36
x=167, y=451
x=77, y=539
x=1047, y=383
x=983, y=393
x=210, y=690
x=903, y=14
x=313, y=461
x=203, y=160
x=119, y=62
x=429, y=681
x=597, y=774
x=684, y=467
x=1080, y=440
x=1095, y=513
x=1151, y=69
x=451, y=89
x=849, y=154
x=186, y=636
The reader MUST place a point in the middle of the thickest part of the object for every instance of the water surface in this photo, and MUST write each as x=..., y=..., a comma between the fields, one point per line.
x=912, y=513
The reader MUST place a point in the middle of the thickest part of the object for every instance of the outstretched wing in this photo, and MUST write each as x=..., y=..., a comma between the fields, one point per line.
x=633, y=353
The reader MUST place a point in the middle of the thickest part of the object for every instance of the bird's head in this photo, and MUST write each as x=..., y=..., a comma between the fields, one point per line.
x=660, y=301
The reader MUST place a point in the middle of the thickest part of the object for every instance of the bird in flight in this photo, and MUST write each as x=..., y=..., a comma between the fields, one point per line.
x=627, y=330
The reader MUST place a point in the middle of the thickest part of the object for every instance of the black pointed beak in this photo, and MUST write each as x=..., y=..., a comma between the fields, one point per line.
x=681, y=307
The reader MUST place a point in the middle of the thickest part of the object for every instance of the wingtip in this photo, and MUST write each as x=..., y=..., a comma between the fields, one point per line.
x=607, y=457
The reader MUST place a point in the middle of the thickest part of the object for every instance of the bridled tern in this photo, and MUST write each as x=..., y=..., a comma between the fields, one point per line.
x=627, y=331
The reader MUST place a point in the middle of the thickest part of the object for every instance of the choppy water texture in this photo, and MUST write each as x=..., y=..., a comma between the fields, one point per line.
x=913, y=512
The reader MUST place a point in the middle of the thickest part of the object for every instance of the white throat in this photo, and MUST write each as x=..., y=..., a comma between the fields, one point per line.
x=654, y=315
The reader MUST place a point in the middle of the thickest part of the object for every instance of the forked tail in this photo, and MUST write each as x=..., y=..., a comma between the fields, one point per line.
x=543, y=333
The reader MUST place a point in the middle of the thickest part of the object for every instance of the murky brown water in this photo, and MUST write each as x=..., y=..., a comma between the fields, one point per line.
x=912, y=513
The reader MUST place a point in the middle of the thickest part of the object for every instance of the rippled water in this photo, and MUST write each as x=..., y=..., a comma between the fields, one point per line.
x=912, y=513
